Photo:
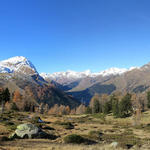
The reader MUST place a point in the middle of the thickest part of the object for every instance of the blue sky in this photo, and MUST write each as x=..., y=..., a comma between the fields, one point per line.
x=58, y=35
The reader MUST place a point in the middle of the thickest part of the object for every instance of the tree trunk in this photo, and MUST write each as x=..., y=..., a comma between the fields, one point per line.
x=2, y=107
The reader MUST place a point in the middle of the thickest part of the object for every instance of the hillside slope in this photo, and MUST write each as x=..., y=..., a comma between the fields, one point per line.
x=106, y=82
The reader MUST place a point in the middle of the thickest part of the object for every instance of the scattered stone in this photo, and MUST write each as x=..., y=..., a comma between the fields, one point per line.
x=136, y=147
x=145, y=146
x=129, y=146
x=114, y=144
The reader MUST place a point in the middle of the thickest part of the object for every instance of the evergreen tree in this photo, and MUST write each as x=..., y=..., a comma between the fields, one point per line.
x=125, y=106
x=14, y=107
x=148, y=99
x=115, y=106
x=96, y=107
x=4, y=97
x=88, y=110
x=107, y=107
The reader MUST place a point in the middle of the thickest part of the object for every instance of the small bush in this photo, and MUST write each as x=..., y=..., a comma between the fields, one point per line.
x=99, y=116
x=97, y=135
x=66, y=125
x=35, y=119
x=13, y=127
x=9, y=123
x=4, y=138
x=74, y=138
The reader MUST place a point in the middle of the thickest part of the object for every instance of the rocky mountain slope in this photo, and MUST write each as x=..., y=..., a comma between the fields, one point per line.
x=135, y=79
x=18, y=73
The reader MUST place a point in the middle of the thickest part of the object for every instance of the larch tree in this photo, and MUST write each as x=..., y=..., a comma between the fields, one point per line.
x=115, y=105
x=67, y=110
x=81, y=109
x=46, y=108
x=95, y=104
x=54, y=110
x=17, y=99
x=73, y=111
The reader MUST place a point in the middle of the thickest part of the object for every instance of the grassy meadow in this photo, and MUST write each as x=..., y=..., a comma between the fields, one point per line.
x=78, y=132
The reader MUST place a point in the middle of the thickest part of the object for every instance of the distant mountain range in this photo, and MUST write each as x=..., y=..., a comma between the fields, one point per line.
x=69, y=76
x=84, y=85
x=68, y=88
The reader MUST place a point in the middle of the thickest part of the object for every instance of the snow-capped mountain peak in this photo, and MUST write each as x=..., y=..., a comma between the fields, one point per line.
x=17, y=64
x=113, y=71
x=15, y=60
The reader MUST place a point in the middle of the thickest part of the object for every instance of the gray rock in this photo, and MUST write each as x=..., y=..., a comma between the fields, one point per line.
x=27, y=130
x=114, y=144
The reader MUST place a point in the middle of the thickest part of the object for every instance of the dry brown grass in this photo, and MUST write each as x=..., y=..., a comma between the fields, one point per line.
x=83, y=124
x=47, y=145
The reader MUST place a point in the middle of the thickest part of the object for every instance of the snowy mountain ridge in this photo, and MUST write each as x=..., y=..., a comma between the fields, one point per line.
x=77, y=75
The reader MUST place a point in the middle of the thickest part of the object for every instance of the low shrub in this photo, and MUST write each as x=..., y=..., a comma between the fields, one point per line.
x=74, y=139
x=96, y=135
x=4, y=138
x=99, y=116
x=66, y=125
x=8, y=123
x=35, y=119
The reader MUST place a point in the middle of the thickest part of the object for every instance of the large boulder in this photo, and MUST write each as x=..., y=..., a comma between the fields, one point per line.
x=29, y=130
